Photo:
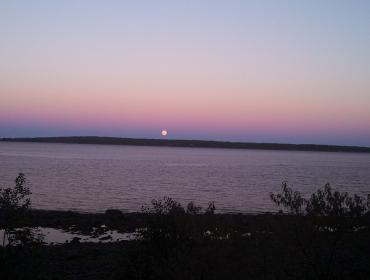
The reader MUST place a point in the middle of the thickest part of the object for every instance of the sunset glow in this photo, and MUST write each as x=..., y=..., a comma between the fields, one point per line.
x=258, y=71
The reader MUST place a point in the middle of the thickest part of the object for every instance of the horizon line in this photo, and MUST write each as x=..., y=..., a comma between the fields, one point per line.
x=181, y=142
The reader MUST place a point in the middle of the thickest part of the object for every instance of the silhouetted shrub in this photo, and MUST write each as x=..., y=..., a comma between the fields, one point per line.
x=192, y=209
x=292, y=200
x=168, y=222
x=164, y=206
x=321, y=230
x=14, y=203
x=325, y=202
x=211, y=208
x=17, y=258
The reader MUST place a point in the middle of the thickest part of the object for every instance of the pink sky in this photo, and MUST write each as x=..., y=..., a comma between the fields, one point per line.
x=237, y=71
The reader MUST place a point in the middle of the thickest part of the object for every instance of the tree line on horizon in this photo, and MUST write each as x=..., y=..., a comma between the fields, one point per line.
x=190, y=143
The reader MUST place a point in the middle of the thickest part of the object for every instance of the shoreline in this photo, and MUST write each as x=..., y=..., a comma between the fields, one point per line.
x=117, y=220
x=190, y=144
x=221, y=246
x=113, y=219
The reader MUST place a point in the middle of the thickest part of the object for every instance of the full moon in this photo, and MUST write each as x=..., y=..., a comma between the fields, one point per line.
x=164, y=132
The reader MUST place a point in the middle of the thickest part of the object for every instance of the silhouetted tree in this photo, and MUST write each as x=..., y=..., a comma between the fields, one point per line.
x=14, y=203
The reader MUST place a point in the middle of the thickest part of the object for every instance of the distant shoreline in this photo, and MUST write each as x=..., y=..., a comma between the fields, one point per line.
x=190, y=144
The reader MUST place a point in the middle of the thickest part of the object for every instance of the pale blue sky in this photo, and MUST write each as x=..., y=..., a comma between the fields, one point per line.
x=278, y=71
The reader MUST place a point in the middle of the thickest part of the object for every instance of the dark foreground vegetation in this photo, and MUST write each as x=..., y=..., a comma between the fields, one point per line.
x=325, y=236
x=190, y=144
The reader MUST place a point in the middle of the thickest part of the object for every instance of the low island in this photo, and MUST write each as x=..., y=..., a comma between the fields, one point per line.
x=190, y=143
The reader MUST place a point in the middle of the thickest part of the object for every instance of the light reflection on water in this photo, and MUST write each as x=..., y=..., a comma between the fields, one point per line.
x=93, y=178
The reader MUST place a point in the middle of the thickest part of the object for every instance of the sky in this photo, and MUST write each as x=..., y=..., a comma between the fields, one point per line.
x=256, y=71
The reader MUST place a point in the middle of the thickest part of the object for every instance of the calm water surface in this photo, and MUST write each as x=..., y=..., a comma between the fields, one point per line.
x=93, y=178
